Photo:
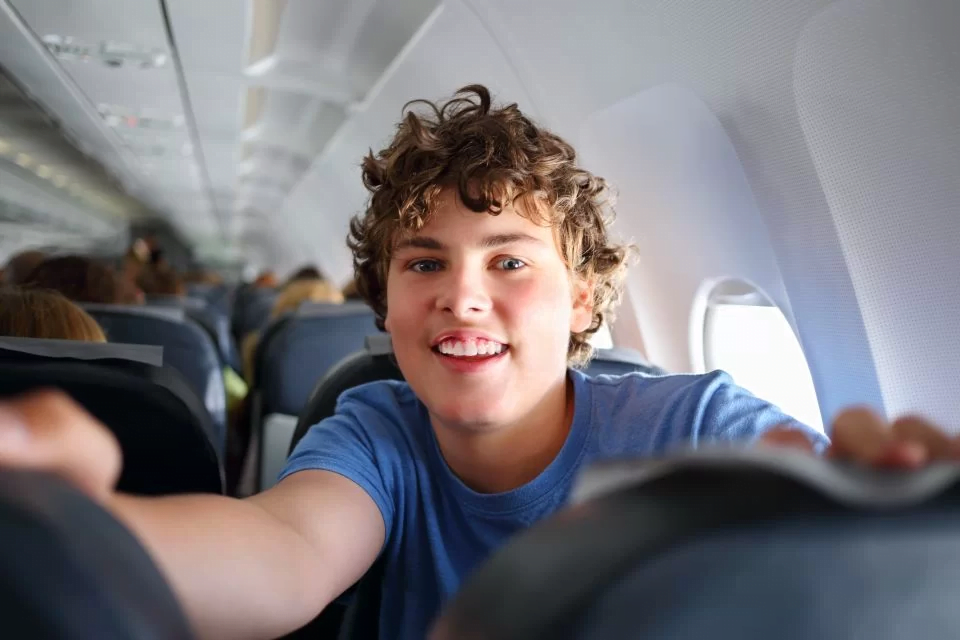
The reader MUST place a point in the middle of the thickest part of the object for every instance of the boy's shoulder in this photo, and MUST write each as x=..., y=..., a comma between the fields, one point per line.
x=642, y=413
x=645, y=391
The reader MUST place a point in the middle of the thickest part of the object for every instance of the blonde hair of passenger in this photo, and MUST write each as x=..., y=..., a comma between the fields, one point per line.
x=300, y=291
x=292, y=296
x=45, y=314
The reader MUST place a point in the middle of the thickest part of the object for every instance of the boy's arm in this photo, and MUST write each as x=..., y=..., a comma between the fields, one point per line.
x=254, y=568
x=264, y=566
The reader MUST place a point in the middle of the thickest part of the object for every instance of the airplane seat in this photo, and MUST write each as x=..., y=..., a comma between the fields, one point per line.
x=374, y=362
x=251, y=312
x=164, y=431
x=69, y=570
x=293, y=353
x=217, y=296
x=620, y=360
x=728, y=545
x=186, y=347
x=216, y=324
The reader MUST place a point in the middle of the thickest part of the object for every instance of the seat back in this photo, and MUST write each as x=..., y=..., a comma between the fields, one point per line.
x=374, y=362
x=164, y=432
x=251, y=311
x=218, y=296
x=215, y=323
x=70, y=571
x=744, y=545
x=297, y=350
x=294, y=353
x=186, y=347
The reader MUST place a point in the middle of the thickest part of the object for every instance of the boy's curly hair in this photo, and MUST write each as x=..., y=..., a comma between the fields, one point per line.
x=493, y=156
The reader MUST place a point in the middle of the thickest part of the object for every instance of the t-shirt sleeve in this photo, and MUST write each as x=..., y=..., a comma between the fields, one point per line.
x=356, y=444
x=731, y=413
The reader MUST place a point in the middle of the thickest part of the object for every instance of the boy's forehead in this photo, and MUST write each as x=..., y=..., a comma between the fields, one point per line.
x=463, y=227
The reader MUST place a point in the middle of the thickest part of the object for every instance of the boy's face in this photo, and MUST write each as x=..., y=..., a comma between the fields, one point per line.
x=480, y=309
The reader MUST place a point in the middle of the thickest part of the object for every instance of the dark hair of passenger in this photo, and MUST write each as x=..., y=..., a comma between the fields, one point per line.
x=26, y=313
x=21, y=265
x=78, y=278
x=161, y=281
x=307, y=273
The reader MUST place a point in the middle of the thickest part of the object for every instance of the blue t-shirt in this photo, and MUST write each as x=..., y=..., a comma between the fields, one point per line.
x=438, y=529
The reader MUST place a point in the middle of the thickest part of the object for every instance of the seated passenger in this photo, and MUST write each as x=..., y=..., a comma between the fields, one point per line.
x=305, y=273
x=266, y=280
x=488, y=314
x=79, y=278
x=21, y=265
x=292, y=296
x=161, y=281
x=45, y=314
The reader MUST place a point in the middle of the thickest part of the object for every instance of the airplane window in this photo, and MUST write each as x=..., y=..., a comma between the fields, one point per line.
x=749, y=337
x=602, y=339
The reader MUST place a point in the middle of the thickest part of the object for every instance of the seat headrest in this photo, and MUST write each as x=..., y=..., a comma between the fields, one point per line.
x=729, y=545
x=69, y=570
x=79, y=350
x=183, y=302
x=314, y=309
x=165, y=433
x=378, y=344
x=176, y=314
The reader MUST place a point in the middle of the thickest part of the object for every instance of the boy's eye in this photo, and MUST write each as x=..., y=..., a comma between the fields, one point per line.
x=511, y=264
x=424, y=266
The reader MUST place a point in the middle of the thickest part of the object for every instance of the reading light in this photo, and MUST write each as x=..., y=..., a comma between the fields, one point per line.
x=109, y=52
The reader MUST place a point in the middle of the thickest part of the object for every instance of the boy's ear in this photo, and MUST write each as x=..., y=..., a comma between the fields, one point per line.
x=582, y=314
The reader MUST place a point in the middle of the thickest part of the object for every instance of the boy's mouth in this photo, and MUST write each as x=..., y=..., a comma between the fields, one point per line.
x=470, y=349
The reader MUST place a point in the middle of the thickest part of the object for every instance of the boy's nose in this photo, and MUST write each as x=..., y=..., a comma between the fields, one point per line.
x=464, y=295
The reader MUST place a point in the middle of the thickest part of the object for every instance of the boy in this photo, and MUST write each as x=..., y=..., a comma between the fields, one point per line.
x=484, y=253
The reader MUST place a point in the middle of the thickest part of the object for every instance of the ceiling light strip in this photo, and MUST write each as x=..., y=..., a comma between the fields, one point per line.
x=16, y=38
x=191, y=122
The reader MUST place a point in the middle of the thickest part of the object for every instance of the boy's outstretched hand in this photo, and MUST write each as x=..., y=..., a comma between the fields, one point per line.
x=49, y=431
x=860, y=435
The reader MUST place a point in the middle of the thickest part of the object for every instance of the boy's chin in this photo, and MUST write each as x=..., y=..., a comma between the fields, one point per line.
x=472, y=415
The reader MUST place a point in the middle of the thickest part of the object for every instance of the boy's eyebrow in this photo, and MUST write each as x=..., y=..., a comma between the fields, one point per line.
x=501, y=239
x=488, y=242
x=419, y=242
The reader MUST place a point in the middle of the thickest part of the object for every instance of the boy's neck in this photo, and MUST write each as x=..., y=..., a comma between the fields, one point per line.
x=510, y=456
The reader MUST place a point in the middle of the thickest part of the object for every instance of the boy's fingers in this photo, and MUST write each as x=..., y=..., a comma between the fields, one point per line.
x=860, y=434
x=938, y=444
x=48, y=431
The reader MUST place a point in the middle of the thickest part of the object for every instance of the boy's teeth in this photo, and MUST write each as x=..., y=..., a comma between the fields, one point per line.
x=469, y=348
